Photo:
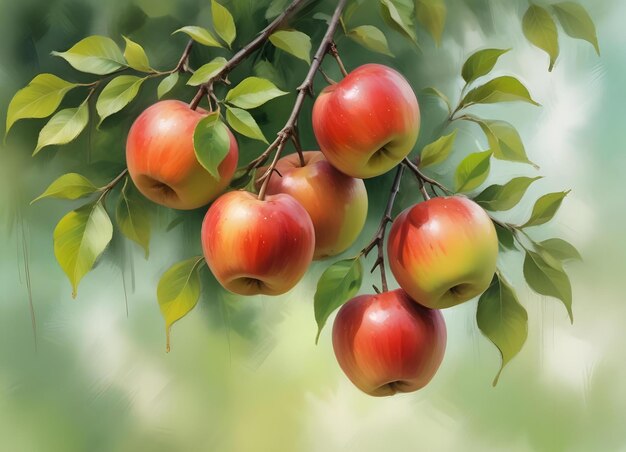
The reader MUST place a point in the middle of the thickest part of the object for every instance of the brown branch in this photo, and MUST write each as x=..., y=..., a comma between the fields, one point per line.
x=184, y=59
x=245, y=51
x=305, y=88
x=379, y=237
x=423, y=177
x=335, y=53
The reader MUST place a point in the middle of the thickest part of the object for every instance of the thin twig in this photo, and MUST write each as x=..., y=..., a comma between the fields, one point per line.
x=305, y=88
x=423, y=177
x=379, y=237
x=335, y=53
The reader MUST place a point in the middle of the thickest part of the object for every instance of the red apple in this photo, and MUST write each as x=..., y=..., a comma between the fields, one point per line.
x=443, y=251
x=162, y=162
x=388, y=343
x=336, y=203
x=257, y=247
x=368, y=122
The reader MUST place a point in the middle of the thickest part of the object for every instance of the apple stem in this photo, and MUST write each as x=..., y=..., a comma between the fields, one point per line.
x=305, y=88
x=379, y=238
x=246, y=51
x=329, y=80
x=332, y=49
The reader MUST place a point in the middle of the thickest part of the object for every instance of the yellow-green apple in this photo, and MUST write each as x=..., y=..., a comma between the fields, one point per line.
x=257, y=246
x=161, y=159
x=443, y=251
x=368, y=122
x=336, y=203
x=388, y=343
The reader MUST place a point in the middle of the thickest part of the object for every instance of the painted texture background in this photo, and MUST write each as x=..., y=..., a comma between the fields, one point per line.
x=244, y=374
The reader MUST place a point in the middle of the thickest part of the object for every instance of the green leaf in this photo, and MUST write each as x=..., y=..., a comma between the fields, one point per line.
x=79, y=239
x=39, y=99
x=94, y=55
x=63, y=127
x=211, y=143
x=68, y=186
x=133, y=218
x=371, y=38
x=540, y=29
x=293, y=42
x=207, y=71
x=178, y=292
x=117, y=94
x=431, y=91
x=501, y=89
x=481, y=63
x=200, y=35
x=505, y=238
x=432, y=15
x=244, y=123
x=253, y=92
x=503, y=320
x=167, y=84
x=339, y=283
x=505, y=197
x=136, y=56
x=549, y=280
x=472, y=171
x=265, y=69
x=275, y=8
x=576, y=22
x=223, y=23
x=438, y=151
x=504, y=140
x=398, y=14
x=545, y=208
x=560, y=249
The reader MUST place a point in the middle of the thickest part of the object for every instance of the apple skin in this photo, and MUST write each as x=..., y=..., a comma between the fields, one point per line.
x=368, y=122
x=162, y=162
x=257, y=247
x=336, y=203
x=388, y=343
x=443, y=252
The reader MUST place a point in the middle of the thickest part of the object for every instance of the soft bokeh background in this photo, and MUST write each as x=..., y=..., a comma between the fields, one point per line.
x=244, y=374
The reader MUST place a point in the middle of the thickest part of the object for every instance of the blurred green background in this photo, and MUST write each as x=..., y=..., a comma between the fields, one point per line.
x=244, y=374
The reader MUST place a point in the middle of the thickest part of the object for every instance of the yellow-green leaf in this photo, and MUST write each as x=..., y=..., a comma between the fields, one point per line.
x=167, y=84
x=94, y=55
x=136, y=56
x=431, y=91
x=244, y=123
x=371, y=38
x=472, y=171
x=68, y=186
x=178, y=292
x=398, y=14
x=200, y=35
x=503, y=320
x=548, y=279
x=432, y=15
x=253, y=92
x=63, y=127
x=481, y=63
x=223, y=22
x=79, y=239
x=293, y=42
x=339, y=282
x=500, y=89
x=540, y=29
x=207, y=71
x=560, y=249
x=504, y=140
x=576, y=22
x=437, y=151
x=505, y=197
x=133, y=217
x=39, y=99
x=117, y=94
x=211, y=143
x=545, y=208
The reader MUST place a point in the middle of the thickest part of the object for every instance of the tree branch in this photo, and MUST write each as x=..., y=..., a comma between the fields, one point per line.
x=423, y=178
x=379, y=237
x=305, y=88
x=245, y=51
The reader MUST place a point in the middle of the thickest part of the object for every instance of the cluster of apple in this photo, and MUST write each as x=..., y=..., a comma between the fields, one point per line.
x=441, y=251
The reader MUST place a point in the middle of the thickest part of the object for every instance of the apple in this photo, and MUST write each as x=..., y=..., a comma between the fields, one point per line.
x=336, y=203
x=368, y=122
x=388, y=343
x=161, y=159
x=443, y=252
x=257, y=246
